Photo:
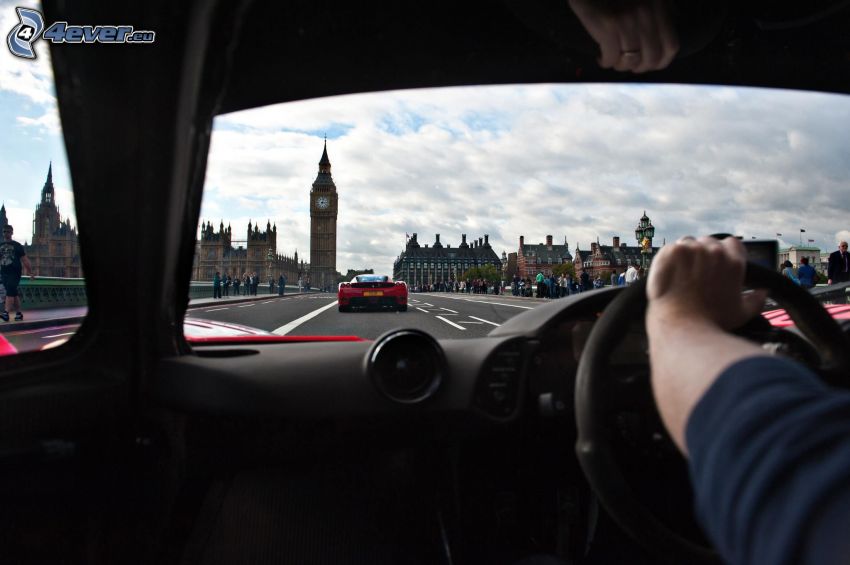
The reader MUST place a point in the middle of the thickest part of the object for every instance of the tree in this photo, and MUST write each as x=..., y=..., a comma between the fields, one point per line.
x=564, y=268
x=487, y=272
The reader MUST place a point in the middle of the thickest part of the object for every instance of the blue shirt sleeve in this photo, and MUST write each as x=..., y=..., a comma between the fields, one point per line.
x=769, y=448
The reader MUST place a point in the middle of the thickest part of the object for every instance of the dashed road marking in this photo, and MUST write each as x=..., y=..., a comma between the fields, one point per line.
x=450, y=323
x=485, y=321
x=57, y=335
x=247, y=306
x=217, y=309
x=447, y=310
x=422, y=310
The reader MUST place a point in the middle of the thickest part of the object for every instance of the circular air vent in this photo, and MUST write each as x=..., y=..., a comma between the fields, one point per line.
x=407, y=365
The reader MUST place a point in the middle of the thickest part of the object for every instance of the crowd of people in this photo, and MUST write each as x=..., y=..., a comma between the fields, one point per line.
x=248, y=283
x=468, y=286
x=837, y=271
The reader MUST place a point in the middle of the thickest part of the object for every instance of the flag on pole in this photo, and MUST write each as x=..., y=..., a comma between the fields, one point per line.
x=811, y=241
x=802, y=230
x=779, y=235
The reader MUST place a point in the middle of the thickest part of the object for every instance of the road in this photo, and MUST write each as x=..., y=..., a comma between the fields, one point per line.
x=440, y=314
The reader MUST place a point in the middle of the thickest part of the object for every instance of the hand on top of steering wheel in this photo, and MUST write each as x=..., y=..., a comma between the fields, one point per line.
x=700, y=281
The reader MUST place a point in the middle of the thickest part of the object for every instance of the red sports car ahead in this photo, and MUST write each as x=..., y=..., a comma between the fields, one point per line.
x=372, y=291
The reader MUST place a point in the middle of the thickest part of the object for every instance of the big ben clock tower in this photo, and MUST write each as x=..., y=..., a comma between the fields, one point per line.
x=323, y=212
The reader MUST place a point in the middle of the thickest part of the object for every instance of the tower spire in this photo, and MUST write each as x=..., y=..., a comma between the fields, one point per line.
x=324, y=162
x=47, y=192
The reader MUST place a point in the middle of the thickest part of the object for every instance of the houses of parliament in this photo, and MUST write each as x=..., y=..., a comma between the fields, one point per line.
x=257, y=253
x=55, y=247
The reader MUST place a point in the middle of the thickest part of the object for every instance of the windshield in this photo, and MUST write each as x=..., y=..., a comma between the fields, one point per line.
x=480, y=202
x=487, y=201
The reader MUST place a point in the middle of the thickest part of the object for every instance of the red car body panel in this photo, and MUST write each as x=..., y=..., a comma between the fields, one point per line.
x=6, y=348
x=371, y=290
x=781, y=319
x=208, y=332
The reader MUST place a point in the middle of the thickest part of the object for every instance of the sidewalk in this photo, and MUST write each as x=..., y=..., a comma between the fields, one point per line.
x=45, y=317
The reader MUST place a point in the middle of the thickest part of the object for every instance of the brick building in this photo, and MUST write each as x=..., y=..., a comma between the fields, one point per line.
x=541, y=258
x=602, y=259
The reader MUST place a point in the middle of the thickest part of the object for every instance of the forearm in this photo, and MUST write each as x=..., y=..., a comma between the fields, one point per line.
x=686, y=358
x=25, y=262
x=769, y=452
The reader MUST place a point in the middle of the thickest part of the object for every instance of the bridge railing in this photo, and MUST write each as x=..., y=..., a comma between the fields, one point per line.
x=58, y=292
x=51, y=292
x=204, y=289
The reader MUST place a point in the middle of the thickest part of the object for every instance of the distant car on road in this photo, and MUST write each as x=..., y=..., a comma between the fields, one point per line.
x=372, y=291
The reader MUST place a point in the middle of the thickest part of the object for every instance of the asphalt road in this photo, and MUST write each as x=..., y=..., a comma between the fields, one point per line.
x=445, y=316
x=442, y=315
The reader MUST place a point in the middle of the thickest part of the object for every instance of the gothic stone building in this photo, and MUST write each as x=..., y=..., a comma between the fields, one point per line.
x=216, y=251
x=55, y=247
x=257, y=253
x=419, y=265
x=324, y=205
x=540, y=258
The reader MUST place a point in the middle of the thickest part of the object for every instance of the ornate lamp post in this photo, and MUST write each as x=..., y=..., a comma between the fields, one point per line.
x=644, y=233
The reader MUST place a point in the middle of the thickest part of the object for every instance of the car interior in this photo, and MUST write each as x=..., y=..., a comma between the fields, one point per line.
x=128, y=444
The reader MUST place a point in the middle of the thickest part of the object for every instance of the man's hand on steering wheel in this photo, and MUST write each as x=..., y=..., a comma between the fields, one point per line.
x=695, y=297
x=700, y=281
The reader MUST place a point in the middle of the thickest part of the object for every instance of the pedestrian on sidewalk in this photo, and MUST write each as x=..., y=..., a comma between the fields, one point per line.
x=217, y=285
x=13, y=259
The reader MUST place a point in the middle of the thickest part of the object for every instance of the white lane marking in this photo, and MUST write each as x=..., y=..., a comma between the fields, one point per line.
x=217, y=309
x=447, y=310
x=488, y=302
x=57, y=335
x=450, y=323
x=421, y=310
x=485, y=321
x=246, y=306
x=283, y=330
x=426, y=304
x=479, y=323
x=267, y=301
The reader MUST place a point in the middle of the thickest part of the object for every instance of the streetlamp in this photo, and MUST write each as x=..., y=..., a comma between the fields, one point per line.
x=644, y=233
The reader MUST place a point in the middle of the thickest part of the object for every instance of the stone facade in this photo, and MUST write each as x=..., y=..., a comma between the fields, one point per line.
x=797, y=252
x=418, y=265
x=324, y=207
x=55, y=247
x=217, y=251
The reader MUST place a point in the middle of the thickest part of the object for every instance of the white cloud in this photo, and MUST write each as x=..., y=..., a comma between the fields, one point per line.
x=32, y=79
x=48, y=122
x=581, y=161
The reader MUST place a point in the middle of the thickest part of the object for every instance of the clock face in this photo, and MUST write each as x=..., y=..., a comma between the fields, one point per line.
x=323, y=202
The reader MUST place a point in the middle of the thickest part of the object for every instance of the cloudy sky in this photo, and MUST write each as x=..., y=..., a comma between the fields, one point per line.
x=581, y=162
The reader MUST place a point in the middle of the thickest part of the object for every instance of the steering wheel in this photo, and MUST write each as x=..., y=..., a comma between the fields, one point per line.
x=594, y=399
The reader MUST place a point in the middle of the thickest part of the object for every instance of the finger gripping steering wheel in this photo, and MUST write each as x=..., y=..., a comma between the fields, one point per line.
x=596, y=428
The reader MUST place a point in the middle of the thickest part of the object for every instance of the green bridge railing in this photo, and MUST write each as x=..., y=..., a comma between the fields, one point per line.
x=56, y=292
